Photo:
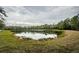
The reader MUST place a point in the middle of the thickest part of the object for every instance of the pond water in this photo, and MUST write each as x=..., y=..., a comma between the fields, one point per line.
x=35, y=35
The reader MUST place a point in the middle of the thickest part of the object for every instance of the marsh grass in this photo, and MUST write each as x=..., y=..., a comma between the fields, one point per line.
x=67, y=43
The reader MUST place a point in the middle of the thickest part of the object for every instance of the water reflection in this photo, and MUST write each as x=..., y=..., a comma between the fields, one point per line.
x=35, y=35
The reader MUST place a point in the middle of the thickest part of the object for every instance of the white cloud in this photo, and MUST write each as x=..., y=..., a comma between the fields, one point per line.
x=38, y=14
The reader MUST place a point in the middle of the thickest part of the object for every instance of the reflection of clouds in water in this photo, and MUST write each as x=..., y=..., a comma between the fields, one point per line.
x=35, y=36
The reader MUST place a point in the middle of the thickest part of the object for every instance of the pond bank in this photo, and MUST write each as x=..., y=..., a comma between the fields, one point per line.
x=36, y=35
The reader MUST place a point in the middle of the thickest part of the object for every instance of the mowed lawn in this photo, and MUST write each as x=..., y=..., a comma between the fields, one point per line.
x=67, y=43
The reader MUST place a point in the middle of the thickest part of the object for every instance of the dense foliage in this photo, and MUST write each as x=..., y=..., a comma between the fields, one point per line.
x=69, y=24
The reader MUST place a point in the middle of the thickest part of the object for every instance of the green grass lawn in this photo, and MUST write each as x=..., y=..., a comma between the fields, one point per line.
x=67, y=43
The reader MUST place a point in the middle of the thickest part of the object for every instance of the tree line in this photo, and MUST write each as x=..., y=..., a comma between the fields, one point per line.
x=67, y=24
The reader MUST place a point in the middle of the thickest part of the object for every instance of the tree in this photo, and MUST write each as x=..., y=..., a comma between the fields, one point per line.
x=2, y=25
x=2, y=13
x=67, y=24
x=75, y=23
x=60, y=25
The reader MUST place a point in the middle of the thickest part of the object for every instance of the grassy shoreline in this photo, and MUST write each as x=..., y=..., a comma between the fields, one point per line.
x=67, y=43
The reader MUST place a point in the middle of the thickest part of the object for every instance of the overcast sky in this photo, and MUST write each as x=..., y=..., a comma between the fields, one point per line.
x=36, y=15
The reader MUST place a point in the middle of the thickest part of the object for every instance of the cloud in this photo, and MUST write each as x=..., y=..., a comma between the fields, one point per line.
x=36, y=15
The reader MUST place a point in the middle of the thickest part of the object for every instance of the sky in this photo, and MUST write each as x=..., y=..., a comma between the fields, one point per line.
x=38, y=15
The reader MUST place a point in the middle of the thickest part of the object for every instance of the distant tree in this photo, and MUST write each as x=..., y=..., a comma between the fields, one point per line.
x=60, y=25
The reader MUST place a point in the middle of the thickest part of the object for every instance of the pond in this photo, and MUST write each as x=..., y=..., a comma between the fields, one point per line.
x=35, y=35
